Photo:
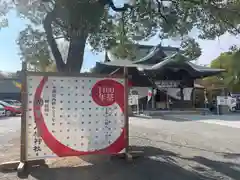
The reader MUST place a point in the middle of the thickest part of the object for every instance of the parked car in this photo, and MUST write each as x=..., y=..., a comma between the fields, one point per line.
x=10, y=110
x=2, y=111
x=12, y=102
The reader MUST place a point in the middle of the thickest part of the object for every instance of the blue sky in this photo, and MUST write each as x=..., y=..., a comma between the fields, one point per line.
x=10, y=60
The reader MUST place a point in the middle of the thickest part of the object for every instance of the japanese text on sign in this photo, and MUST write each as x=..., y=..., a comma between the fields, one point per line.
x=168, y=84
x=106, y=94
x=54, y=95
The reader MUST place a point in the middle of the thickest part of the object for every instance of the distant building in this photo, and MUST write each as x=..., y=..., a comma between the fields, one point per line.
x=10, y=88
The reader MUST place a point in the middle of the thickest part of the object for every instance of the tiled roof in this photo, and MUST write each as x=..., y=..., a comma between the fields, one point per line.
x=203, y=68
x=144, y=50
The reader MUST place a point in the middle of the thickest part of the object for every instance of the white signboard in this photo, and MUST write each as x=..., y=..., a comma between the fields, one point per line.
x=140, y=91
x=133, y=100
x=222, y=100
x=229, y=101
x=73, y=116
x=226, y=100
x=167, y=84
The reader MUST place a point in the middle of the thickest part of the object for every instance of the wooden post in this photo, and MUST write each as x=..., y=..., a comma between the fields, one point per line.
x=20, y=166
x=193, y=97
x=133, y=154
x=153, y=99
x=23, y=146
x=167, y=101
x=126, y=117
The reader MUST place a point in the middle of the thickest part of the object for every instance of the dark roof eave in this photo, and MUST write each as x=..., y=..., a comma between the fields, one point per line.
x=205, y=74
x=111, y=66
x=205, y=69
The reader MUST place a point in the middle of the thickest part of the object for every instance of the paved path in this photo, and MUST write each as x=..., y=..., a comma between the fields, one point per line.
x=9, y=137
x=8, y=127
x=232, y=120
x=233, y=124
x=188, y=150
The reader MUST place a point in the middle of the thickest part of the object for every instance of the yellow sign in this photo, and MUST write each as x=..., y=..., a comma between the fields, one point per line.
x=17, y=84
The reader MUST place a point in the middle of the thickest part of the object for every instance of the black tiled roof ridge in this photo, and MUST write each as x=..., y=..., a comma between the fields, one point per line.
x=145, y=46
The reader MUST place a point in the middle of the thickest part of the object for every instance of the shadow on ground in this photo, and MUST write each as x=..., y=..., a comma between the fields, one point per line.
x=155, y=165
x=231, y=155
x=190, y=117
x=4, y=118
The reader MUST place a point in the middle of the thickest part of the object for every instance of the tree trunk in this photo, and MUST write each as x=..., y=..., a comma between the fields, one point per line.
x=77, y=40
x=47, y=24
x=76, y=47
x=76, y=52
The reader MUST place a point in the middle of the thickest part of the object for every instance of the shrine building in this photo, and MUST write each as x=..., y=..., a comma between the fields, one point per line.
x=164, y=69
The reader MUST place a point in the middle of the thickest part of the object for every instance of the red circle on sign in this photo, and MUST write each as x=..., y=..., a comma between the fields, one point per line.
x=60, y=149
x=104, y=92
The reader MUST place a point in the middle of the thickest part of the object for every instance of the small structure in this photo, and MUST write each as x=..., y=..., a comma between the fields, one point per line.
x=161, y=68
x=226, y=104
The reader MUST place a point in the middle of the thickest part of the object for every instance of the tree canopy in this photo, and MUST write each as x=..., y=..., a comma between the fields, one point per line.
x=231, y=78
x=4, y=9
x=92, y=22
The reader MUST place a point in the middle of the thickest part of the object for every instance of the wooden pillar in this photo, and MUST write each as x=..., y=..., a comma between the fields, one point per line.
x=23, y=138
x=126, y=115
x=153, y=99
x=23, y=147
x=193, y=97
x=167, y=100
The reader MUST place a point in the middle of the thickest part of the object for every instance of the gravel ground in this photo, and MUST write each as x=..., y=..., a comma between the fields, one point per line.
x=188, y=150
x=9, y=137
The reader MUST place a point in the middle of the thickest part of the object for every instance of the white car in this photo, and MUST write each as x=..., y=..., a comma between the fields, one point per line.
x=232, y=108
x=2, y=110
x=232, y=104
